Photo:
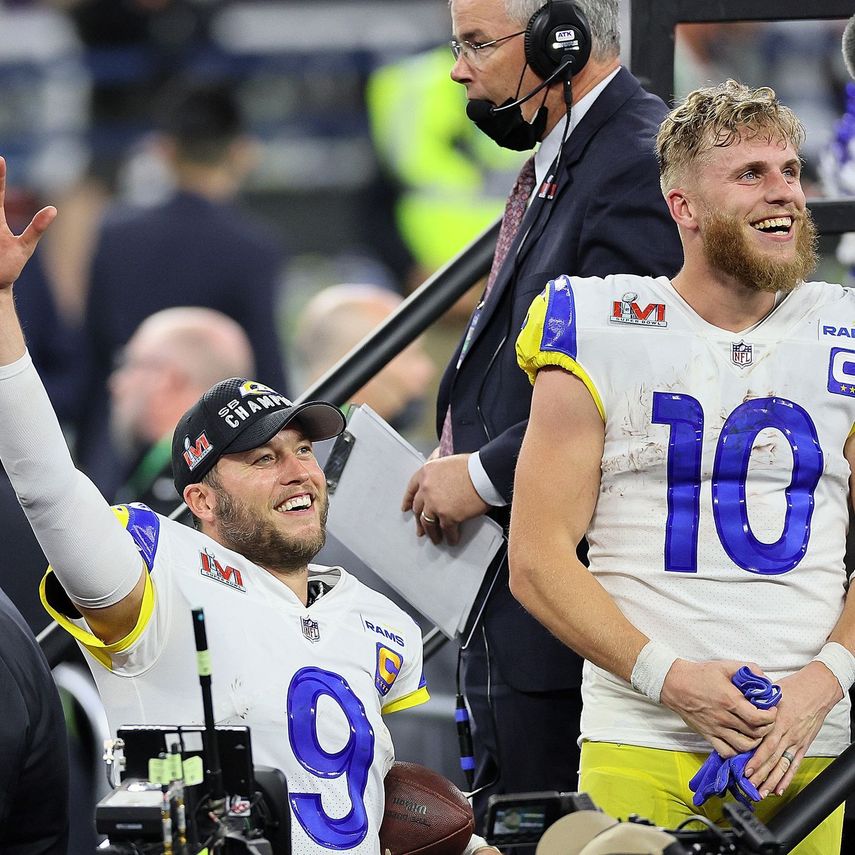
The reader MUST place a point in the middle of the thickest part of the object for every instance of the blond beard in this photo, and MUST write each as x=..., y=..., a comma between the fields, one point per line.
x=728, y=250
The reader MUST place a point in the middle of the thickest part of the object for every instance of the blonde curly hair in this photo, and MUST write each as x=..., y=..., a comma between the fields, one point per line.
x=716, y=117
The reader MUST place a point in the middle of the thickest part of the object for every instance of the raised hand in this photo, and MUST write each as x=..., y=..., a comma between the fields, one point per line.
x=15, y=250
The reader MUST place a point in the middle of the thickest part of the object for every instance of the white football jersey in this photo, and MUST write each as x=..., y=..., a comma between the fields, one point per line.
x=311, y=682
x=721, y=520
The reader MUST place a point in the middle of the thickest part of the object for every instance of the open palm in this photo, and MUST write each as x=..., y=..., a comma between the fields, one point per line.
x=15, y=250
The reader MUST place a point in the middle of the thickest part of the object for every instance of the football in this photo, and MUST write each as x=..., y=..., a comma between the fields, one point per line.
x=425, y=813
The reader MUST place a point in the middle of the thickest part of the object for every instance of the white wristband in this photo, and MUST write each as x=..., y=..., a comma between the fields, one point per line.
x=475, y=843
x=840, y=661
x=651, y=668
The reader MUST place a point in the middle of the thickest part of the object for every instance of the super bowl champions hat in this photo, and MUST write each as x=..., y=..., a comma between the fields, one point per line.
x=236, y=415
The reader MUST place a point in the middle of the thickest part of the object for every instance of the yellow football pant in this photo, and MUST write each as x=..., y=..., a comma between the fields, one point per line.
x=654, y=783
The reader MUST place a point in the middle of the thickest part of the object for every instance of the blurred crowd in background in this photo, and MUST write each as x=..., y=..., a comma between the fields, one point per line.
x=344, y=186
x=351, y=145
x=296, y=165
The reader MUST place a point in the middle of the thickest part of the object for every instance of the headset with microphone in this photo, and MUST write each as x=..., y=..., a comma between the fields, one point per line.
x=557, y=39
x=557, y=45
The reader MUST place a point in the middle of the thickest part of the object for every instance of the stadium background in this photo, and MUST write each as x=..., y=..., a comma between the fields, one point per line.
x=79, y=80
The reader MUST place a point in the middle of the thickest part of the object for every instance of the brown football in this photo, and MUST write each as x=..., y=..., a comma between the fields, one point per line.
x=425, y=813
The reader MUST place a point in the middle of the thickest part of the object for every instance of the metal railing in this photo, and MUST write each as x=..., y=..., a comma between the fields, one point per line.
x=652, y=59
x=424, y=306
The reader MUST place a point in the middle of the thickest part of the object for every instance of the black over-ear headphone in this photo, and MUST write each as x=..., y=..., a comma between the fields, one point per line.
x=556, y=33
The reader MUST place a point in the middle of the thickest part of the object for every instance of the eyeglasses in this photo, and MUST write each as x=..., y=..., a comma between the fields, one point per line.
x=474, y=53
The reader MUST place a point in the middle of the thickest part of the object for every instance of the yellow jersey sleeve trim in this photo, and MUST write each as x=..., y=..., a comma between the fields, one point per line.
x=528, y=340
x=122, y=514
x=420, y=696
x=531, y=354
x=101, y=651
x=851, y=431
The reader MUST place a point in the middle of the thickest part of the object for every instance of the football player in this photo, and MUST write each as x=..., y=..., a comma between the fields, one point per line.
x=306, y=655
x=698, y=432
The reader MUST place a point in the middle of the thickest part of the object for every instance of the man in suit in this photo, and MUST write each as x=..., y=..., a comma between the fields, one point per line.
x=194, y=249
x=595, y=208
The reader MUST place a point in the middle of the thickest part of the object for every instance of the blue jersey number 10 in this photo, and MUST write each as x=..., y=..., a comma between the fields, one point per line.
x=729, y=473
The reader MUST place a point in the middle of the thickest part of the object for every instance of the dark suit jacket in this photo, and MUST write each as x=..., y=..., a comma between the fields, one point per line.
x=33, y=745
x=608, y=216
x=188, y=251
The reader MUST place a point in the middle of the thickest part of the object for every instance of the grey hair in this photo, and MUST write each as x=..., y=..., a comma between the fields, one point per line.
x=602, y=15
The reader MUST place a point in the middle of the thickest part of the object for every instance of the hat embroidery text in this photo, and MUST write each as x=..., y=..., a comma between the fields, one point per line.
x=236, y=411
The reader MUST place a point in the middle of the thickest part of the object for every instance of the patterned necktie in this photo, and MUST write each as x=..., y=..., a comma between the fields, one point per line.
x=515, y=209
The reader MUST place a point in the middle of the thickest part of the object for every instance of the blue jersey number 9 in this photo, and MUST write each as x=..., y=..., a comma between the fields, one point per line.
x=353, y=760
x=729, y=474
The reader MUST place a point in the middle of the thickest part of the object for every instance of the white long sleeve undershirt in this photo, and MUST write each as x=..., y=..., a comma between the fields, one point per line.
x=92, y=554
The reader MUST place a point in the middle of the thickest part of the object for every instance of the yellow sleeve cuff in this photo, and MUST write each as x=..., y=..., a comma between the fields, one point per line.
x=414, y=699
x=99, y=650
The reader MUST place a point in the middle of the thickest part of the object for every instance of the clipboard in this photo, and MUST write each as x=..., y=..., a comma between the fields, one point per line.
x=367, y=472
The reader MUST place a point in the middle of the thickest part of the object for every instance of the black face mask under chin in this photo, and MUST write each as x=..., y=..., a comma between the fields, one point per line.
x=507, y=127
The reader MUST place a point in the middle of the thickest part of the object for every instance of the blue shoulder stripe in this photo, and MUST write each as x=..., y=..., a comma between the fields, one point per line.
x=144, y=525
x=559, y=325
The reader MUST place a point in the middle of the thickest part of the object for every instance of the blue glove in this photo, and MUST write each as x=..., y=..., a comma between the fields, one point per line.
x=717, y=774
x=761, y=691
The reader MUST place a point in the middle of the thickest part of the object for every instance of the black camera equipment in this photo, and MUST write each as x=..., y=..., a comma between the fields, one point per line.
x=522, y=819
x=535, y=812
x=187, y=789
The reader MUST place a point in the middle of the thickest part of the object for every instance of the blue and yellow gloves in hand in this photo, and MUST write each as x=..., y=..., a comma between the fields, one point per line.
x=718, y=774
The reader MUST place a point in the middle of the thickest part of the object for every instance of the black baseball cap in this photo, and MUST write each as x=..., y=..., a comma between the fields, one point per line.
x=236, y=415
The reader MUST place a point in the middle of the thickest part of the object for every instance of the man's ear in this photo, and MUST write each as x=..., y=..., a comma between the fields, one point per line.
x=683, y=208
x=201, y=500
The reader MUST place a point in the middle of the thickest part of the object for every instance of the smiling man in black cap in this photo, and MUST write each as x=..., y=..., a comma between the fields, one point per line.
x=306, y=655
x=225, y=453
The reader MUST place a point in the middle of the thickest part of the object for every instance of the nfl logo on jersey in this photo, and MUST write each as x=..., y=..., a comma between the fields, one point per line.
x=741, y=354
x=311, y=629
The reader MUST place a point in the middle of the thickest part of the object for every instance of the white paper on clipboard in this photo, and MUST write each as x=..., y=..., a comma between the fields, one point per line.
x=440, y=581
